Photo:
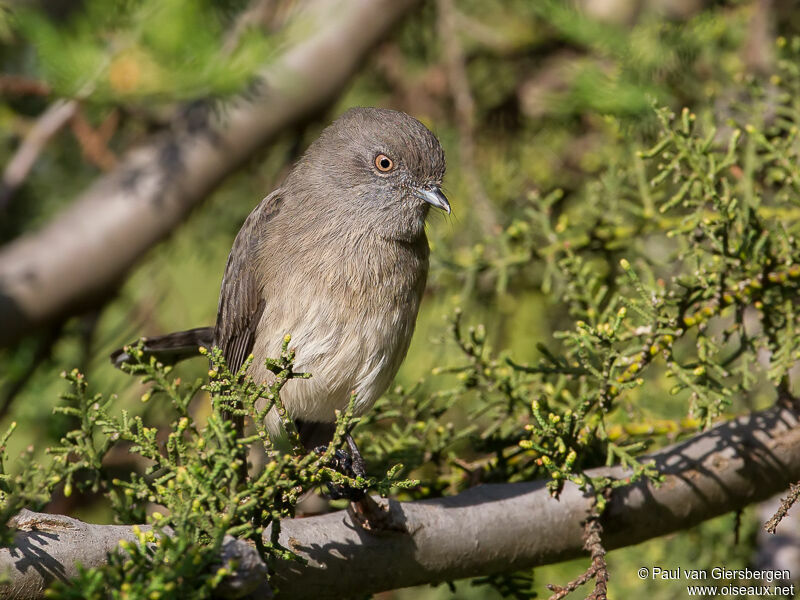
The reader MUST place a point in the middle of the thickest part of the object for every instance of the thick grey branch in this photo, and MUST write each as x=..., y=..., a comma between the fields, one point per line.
x=79, y=257
x=502, y=527
x=49, y=547
x=494, y=528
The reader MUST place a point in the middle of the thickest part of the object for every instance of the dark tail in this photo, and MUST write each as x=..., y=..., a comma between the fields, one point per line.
x=170, y=348
x=313, y=434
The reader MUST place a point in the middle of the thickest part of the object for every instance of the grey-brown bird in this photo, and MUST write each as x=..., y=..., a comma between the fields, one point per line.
x=336, y=257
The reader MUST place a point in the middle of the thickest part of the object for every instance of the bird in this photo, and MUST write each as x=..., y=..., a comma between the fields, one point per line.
x=337, y=258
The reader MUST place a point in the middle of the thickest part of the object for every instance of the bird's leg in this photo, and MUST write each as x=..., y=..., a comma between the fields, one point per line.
x=377, y=516
x=364, y=510
x=359, y=467
x=349, y=464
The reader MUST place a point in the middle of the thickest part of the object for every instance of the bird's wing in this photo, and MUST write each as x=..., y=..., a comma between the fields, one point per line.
x=241, y=301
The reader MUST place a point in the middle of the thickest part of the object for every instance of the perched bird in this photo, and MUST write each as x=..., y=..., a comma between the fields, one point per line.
x=336, y=257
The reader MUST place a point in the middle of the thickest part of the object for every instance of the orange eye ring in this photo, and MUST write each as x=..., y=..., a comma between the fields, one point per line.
x=383, y=163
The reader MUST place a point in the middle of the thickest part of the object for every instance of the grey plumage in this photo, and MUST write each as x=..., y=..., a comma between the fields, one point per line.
x=337, y=257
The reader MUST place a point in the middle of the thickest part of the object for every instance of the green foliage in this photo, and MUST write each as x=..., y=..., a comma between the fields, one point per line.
x=114, y=53
x=28, y=487
x=681, y=267
x=644, y=63
x=688, y=273
x=518, y=586
x=642, y=282
x=196, y=476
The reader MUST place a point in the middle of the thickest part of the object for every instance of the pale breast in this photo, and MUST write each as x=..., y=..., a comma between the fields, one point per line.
x=351, y=320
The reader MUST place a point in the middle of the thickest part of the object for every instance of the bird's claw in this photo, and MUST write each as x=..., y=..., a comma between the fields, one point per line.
x=349, y=466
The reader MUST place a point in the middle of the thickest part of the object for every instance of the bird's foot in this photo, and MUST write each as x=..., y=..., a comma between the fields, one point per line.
x=349, y=464
x=377, y=517
x=364, y=510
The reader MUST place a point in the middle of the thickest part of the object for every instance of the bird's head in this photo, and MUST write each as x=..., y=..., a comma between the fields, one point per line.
x=380, y=166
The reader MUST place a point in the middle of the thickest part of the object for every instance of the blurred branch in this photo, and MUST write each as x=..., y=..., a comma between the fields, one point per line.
x=94, y=142
x=490, y=528
x=771, y=526
x=86, y=251
x=49, y=124
x=465, y=113
x=482, y=33
x=758, y=52
x=18, y=85
x=258, y=14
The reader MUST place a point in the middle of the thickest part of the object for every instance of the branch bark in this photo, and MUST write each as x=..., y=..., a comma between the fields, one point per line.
x=90, y=544
x=499, y=527
x=75, y=261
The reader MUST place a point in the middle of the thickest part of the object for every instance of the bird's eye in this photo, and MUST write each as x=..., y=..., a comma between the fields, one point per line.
x=384, y=163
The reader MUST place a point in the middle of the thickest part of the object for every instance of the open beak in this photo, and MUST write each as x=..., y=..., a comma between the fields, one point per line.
x=433, y=195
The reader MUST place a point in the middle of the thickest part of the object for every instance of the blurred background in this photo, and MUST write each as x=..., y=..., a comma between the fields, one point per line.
x=526, y=97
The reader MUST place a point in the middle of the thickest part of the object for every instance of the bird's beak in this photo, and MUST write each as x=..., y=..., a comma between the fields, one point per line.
x=433, y=195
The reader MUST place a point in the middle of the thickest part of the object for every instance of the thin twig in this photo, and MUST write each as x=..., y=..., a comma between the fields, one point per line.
x=48, y=125
x=598, y=570
x=758, y=54
x=19, y=85
x=786, y=503
x=465, y=113
x=595, y=545
x=94, y=142
x=562, y=591
x=483, y=34
x=259, y=13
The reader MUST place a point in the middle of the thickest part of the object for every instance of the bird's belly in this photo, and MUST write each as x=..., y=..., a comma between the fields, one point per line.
x=343, y=351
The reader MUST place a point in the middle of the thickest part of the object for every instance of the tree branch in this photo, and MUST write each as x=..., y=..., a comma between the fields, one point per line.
x=77, y=259
x=49, y=547
x=464, y=104
x=48, y=125
x=499, y=527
